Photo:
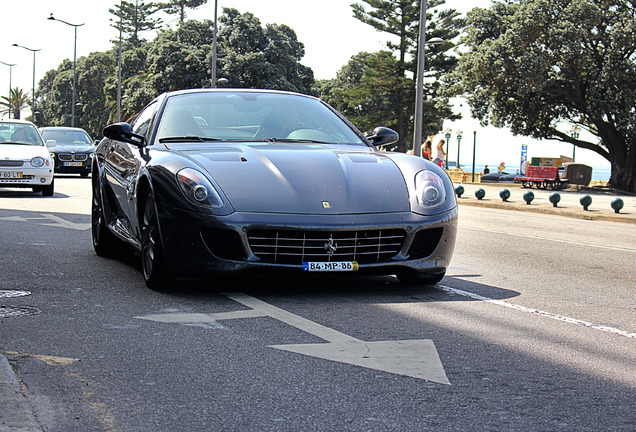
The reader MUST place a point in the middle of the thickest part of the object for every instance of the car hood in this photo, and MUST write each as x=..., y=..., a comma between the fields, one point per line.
x=304, y=178
x=22, y=152
x=73, y=148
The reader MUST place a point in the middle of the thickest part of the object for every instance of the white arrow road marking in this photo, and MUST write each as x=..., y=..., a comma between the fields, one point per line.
x=58, y=221
x=413, y=358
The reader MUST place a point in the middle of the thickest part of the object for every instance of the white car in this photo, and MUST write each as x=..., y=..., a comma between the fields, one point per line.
x=25, y=161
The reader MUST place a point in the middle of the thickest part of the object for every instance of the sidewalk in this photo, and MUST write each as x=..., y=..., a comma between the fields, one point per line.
x=568, y=206
x=16, y=414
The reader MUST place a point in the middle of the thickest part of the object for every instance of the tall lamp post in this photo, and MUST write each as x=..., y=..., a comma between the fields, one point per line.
x=419, y=93
x=75, y=26
x=459, y=139
x=33, y=94
x=10, y=67
x=447, y=132
x=213, y=78
x=575, y=134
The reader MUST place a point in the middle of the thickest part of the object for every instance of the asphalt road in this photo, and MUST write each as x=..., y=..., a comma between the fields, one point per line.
x=532, y=329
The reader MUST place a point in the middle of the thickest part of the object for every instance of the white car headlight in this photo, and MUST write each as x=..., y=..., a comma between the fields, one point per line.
x=37, y=162
x=429, y=188
x=198, y=189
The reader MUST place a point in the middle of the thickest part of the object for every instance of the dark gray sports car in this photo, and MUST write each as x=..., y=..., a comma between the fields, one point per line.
x=206, y=182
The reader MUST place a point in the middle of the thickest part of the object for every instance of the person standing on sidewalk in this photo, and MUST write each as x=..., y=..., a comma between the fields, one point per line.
x=440, y=154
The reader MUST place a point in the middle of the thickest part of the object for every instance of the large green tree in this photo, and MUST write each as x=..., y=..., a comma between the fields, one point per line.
x=251, y=56
x=401, y=18
x=134, y=17
x=542, y=66
x=178, y=7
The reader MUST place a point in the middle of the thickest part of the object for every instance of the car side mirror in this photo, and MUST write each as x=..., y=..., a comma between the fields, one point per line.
x=383, y=136
x=123, y=132
x=51, y=143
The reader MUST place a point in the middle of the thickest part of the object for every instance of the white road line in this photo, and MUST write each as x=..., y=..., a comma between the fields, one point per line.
x=538, y=312
x=550, y=239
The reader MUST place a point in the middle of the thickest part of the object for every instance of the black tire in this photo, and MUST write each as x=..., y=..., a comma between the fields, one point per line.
x=421, y=278
x=153, y=262
x=104, y=242
x=49, y=190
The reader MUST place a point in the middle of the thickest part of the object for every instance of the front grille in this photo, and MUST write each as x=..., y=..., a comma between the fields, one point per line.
x=26, y=178
x=296, y=247
x=68, y=157
x=11, y=163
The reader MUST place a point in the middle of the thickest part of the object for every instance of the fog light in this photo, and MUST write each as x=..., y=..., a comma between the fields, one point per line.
x=42, y=180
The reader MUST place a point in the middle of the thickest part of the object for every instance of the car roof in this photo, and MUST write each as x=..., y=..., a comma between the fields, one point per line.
x=235, y=90
x=62, y=128
x=17, y=121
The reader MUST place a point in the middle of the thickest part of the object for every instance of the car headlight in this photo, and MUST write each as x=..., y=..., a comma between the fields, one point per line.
x=198, y=189
x=37, y=162
x=430, y=189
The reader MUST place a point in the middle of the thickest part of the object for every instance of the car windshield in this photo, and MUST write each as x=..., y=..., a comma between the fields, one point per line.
x=19, y=133
x=66, y=136
x=252, y=116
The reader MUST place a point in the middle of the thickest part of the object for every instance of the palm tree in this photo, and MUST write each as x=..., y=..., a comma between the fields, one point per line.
x=15, y=103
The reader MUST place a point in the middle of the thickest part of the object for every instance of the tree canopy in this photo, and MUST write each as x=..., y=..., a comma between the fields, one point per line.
x=250, y=56
x=385, y=79
x=540, y=67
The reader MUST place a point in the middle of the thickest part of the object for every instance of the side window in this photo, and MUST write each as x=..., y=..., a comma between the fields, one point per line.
x=142, y=122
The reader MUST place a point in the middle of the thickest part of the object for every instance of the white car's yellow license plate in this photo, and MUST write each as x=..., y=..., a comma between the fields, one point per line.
x=11, y=174
x=330, y=266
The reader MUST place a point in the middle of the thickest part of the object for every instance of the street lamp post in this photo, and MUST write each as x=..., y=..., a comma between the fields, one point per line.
x=213, y=78
x=575, y=135
x=474, y=152
x=33, y=94
x=75, y=26
x=419, y=92
x=447, y=132
x=459, y=139
x=10, y=67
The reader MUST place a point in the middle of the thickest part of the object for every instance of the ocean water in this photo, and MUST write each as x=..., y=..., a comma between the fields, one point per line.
x=602, y=174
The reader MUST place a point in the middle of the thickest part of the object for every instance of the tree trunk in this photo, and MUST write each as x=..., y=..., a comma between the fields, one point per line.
x=623, y=173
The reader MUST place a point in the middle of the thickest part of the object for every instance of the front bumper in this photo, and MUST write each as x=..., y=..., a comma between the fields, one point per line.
x=191, y=252
x=25, y=177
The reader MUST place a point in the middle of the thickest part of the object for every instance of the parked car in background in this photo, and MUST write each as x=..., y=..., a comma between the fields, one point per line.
x=206, y=182
x=73, y=151
x=25, y=161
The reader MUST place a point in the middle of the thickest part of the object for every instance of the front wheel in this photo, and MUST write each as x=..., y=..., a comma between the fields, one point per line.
x=104, y=242
x=153, y=262
x=48, y=190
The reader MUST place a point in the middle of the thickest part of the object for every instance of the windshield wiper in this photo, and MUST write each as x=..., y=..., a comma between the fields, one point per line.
x=189, y=138
x=296, y=140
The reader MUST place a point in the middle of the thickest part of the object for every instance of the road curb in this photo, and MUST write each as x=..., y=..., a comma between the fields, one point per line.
x=16, y=414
